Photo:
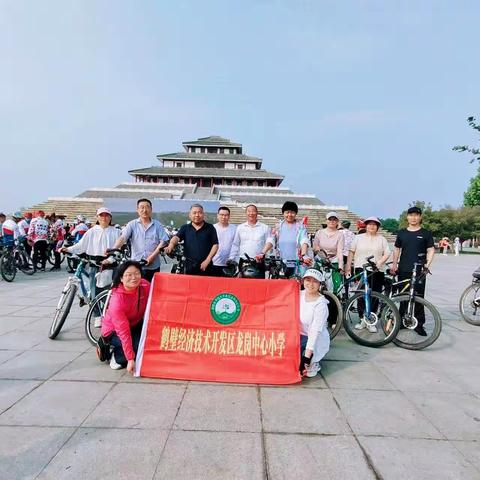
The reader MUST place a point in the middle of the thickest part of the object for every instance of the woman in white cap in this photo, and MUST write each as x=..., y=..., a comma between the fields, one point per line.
x=314, y=336
x=96, y=241
x=331, y=240
x=363, y=246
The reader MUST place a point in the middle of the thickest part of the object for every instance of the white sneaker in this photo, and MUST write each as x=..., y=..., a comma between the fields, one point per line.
x=98, y=322
x=313, y=369
x=114, y=365
x=372, y=328
x=361, y=325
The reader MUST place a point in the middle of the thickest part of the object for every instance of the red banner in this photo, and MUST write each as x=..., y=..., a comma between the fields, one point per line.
x=221, y=329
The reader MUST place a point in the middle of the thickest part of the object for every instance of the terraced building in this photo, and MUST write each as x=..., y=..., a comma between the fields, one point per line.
x=213, y=171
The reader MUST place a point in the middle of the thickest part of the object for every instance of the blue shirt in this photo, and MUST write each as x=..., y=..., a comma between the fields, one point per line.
x=144, y=240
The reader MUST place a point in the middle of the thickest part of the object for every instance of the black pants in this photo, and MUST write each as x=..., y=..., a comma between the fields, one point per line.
x=376, y=281
x=419, y=291
x=217, y=271
x=27, y=247
x=40, y=252
x=148, y=274
x=195, y=270
x=116, y=343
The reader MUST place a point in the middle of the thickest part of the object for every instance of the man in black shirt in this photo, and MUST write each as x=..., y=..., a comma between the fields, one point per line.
x=200, y=242
x=413, y=244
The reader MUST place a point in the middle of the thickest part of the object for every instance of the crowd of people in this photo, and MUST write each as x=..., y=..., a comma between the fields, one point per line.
x=209, y=249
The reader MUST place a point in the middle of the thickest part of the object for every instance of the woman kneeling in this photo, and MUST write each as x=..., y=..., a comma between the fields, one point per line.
x=122, y=325
x=314, y=336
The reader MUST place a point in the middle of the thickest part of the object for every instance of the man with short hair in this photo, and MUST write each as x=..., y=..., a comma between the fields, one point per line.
x=413, y=244
x=200, y=242
x=225, y=234
x=10, y=231
x=147, y=237
x=250, y=237
x=23, y=226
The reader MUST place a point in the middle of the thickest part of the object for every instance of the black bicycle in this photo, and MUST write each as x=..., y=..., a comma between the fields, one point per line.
x=15, y=258
x=470, y=301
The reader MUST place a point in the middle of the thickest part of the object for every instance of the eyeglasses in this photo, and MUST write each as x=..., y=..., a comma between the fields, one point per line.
x=130, y=275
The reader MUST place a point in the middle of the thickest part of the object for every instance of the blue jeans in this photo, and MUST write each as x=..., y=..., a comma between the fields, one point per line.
x=303, y=344
x=116, y=343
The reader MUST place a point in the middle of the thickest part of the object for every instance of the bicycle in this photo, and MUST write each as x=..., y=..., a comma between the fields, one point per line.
x=469, y=303
x=81, y=284
x=410, y=307
x=15, y=258
x=98, y=307
x=378, y=312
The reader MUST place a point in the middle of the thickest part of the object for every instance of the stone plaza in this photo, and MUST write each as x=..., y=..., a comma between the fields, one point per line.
x=383, y=413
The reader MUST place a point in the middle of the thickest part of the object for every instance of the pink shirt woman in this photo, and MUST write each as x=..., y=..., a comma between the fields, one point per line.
x=124, y=317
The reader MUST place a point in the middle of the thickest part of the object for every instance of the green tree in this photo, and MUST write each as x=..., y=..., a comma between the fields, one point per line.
x=390, y=224
x=465, y=148
x=471, y=197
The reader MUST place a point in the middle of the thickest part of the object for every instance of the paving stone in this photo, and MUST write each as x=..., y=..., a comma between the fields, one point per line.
x=28, y=450
x=219, y=408
x=415, y=377
x=466, y=375
x=8, y=354
x=68, y=342
x=13, y=390
x=422, y=459
x=87, y=367
x=138, y=406
x=15, y=340
x=58, y=404
x=35, y=365
x=101, y=454
x=457, y=416
x=10, y=324
x=35, y=311
x=470, y=451
x=375, y=412
x=307, y=456
x=301, y=410
x=212, y=455
x=353, y=375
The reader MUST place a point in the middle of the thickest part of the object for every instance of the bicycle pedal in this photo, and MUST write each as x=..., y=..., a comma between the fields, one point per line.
x=82, y=302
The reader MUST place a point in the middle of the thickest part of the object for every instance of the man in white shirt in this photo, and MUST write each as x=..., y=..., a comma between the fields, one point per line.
x=225, y=234
x=250, y=237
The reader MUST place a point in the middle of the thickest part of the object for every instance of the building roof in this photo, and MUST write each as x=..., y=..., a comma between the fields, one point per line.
x=212, y=141
x=274, y=199
x=217, y=157
x=206, y=172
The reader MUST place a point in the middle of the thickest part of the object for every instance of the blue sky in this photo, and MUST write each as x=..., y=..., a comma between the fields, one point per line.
x=357, y=101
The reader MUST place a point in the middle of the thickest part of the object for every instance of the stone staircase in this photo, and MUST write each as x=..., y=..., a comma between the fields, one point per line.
x=70, y=207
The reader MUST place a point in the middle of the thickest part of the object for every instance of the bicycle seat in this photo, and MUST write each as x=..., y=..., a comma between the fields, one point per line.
x=476, y=274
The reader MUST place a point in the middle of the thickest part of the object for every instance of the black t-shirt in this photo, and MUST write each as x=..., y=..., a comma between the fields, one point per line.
x=414, y=247
x=197, y=243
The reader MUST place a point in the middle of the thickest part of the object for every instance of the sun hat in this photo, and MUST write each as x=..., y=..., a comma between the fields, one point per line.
x=331, y=214
x=373, y=219
x=314, y=273
x=104, y=210
x=17, y=215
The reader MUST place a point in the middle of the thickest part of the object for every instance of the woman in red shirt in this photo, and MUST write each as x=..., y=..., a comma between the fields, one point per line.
x=122, y=325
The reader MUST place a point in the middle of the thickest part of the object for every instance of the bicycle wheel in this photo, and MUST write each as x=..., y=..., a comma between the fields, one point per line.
x=50, y=255
x=63, y=309
x=382, y=325
x=24, y=263
x=408, y=337
x=335, y=313
x=7, y=267
x=470, y=304
x=95, y=314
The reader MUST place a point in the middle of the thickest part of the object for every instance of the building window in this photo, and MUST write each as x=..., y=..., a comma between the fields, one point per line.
x=179, y=164
x=249, y=183
x=239, y=166
x=228, y=182
x=175, y=180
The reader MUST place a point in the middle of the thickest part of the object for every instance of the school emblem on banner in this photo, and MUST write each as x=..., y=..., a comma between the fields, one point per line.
x=225, y=308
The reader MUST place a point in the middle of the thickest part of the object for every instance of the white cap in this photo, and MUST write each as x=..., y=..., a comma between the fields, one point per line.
x=332, y=214
x=104, y=210
x=314, y=273
x=373, y=219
